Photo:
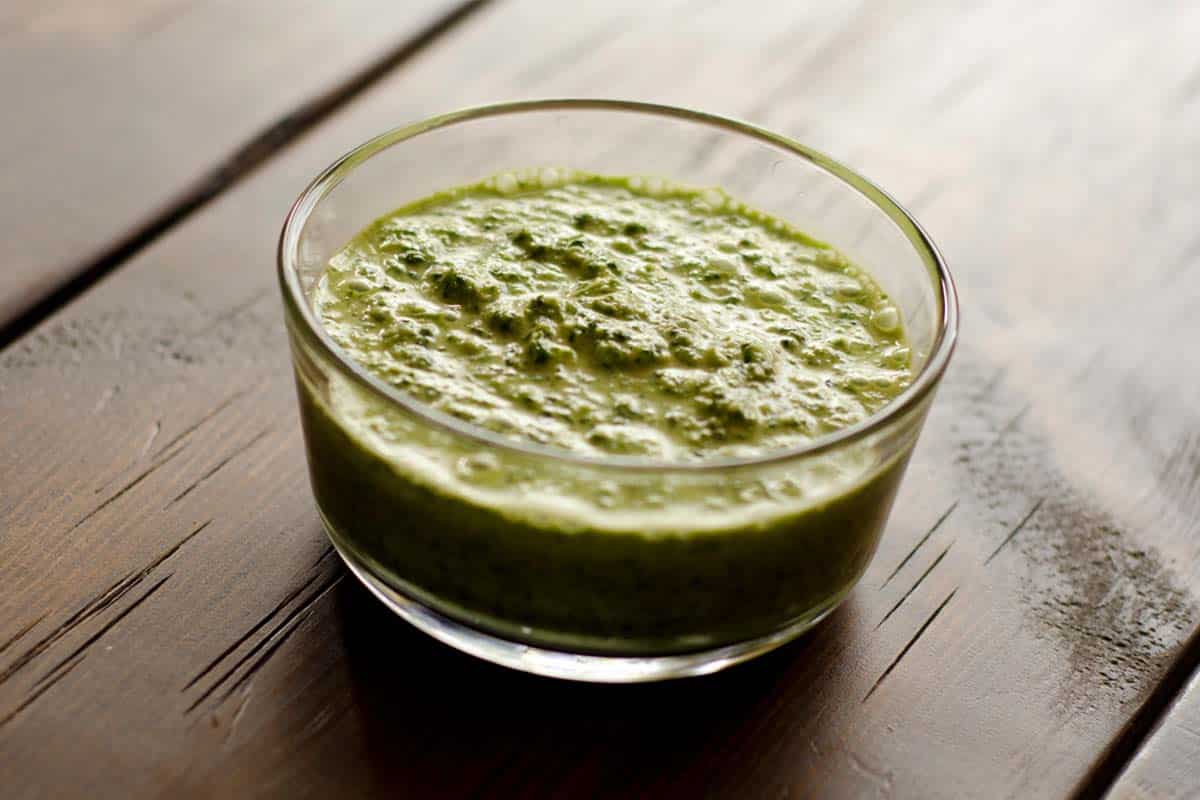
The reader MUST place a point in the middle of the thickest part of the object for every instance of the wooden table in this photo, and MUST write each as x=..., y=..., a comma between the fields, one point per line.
x=172, y=622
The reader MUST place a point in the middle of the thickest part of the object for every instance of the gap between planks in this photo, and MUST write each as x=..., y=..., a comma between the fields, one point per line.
x=1104, y=772
x=258, y=149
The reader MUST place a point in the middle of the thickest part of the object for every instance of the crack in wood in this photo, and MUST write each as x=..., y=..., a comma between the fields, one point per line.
x=1015, y=530
x=920, y=544
x=1011, y=425
x=236, y=311
x=266, y=640
x=89, y=610
x=186, y=432
x=189, y=430
x=199, y=676
x=913, y=588
x=52, y=673
x=219, y=466
x=326, y=553
x=125, y=489
x=920, y=632
x=94, y=606
x=991, y=385
x=39, y=692
x=172, y=550
x=16, y=637
x=281, y=635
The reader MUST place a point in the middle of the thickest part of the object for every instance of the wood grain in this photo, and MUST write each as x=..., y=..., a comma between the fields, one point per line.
x=121, y=113
x=1038, y=579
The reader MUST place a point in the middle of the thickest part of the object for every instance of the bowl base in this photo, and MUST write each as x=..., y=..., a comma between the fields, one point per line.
x=574, y=666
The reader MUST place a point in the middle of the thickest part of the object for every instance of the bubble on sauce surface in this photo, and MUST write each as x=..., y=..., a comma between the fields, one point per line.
x=715, y=198
x=506, y=183
x=476, y=465
x=886, y=319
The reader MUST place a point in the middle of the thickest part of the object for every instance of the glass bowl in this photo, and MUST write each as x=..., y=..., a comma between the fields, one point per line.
x=616, y=569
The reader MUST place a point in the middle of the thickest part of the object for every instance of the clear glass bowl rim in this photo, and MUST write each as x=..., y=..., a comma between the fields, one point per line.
x=297, y=307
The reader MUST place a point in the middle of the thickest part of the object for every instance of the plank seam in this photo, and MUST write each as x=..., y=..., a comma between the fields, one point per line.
x=1104, y=773
x=227, y=174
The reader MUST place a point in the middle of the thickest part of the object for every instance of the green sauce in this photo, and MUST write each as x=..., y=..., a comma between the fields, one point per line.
x=604, y=316
x=603, y=320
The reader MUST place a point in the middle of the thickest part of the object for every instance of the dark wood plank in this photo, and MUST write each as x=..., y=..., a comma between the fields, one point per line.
x=1038, y=579
x=119, y=113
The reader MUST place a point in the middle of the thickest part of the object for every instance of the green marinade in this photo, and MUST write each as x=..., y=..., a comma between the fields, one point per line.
x=604, y=316
x=606, y=321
